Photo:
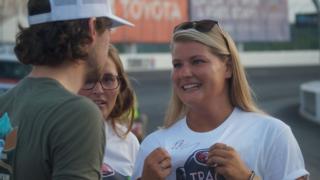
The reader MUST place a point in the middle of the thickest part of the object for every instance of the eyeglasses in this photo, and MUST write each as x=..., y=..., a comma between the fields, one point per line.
x=201, y=26
x=108, y=82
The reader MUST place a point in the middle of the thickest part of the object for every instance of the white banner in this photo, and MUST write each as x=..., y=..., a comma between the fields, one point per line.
x=246, y=20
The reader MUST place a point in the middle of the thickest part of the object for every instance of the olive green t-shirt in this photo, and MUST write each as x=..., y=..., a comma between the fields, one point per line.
x=60, y=135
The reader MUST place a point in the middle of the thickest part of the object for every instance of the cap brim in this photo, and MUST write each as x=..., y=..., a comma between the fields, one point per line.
x=117, y=21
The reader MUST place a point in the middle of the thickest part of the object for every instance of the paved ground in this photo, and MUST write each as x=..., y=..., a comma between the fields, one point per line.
x=277, y=92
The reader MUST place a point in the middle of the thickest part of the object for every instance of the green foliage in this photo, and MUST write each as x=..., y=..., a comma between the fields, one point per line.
x=302, y=37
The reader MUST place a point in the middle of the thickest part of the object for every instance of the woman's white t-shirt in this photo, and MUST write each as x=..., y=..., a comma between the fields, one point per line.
x=264, y=143
x=120, y=153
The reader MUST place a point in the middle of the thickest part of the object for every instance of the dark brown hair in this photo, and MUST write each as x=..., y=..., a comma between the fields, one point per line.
x=53, y=43
x=123, y=110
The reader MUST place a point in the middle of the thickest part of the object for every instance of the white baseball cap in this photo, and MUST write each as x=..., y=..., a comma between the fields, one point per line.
x=62, y=10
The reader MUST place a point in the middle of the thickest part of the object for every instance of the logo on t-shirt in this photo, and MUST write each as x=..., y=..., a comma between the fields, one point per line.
x=8, y=136
x=108, y=173
x=195, y=168
x=107, y=170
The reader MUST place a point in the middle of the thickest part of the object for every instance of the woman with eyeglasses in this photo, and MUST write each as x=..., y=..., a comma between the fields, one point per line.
x=213, y=129
x=114, y=96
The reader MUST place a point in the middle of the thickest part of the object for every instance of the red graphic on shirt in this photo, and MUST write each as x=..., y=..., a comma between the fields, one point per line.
x=107, y=170
x=201, y=157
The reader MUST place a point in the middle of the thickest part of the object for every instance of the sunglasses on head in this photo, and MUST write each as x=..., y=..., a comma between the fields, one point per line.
x=201, y=26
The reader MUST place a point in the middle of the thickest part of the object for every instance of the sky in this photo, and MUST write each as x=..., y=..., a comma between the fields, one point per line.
x=299, y=6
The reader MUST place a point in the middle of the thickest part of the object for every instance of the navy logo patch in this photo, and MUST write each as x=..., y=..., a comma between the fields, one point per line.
x=195, y=168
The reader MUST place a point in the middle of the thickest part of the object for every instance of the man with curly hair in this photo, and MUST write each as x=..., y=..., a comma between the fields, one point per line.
x=50, y=132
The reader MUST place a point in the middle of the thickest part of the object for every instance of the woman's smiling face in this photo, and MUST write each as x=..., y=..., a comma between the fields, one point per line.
x=198, y=75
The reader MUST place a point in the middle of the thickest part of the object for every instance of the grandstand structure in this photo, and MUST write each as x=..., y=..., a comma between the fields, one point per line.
x=153, y=37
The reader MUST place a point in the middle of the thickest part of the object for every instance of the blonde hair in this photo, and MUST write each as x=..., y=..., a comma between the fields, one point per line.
x=222, y=45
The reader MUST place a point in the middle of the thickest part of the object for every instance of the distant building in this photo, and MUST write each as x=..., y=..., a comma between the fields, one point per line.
x=307, y=19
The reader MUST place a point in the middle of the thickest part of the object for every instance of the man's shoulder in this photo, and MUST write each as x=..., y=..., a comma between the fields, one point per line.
x=58, y=96
x=79, y=114
x=77, y=107
x=80, y=103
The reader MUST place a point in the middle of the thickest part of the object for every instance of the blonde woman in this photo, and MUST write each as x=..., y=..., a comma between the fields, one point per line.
x=114, y=96
x=213, y=129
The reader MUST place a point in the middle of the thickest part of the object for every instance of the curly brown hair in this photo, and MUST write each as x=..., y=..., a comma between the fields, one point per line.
x=54, y=43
